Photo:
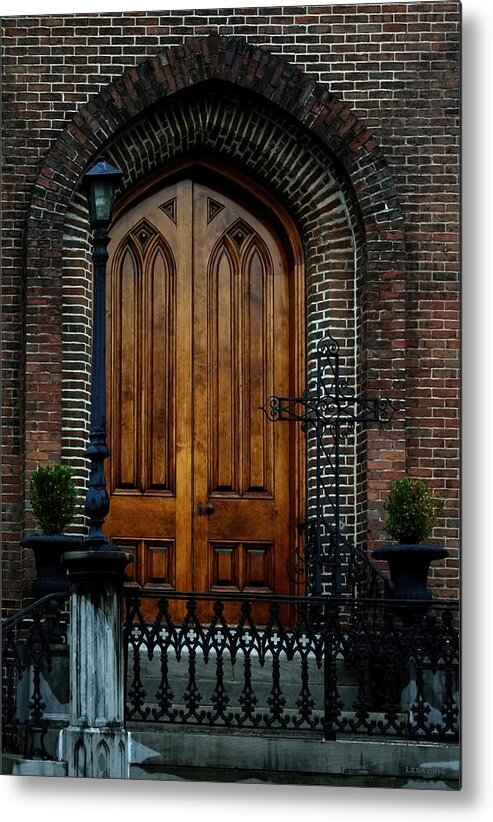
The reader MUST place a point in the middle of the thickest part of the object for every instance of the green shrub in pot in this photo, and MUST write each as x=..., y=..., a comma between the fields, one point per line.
x=54, y=500
x=413, y=510
x=53, y=497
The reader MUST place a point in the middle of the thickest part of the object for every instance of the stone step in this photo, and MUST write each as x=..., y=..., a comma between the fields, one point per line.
x=205, y=677
x=177, y=751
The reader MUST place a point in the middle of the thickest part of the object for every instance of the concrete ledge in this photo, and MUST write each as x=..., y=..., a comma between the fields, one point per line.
x=139, y=772
x=13, y=765
x=168, y=748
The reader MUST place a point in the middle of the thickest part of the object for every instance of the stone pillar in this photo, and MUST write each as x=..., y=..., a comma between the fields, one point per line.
x=95, y=742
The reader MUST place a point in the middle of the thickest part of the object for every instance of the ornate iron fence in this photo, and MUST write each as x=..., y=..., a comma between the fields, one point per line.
x=331, y=666
x=292, y=664
x=28, y=641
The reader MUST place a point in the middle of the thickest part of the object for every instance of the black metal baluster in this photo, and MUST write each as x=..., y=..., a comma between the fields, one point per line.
x=248, y=700
x=359, y=657
x=135, y=634
x=305, y=702
x=390, y=660
x=246, y=641
x=13, y=671
x=274, y=640
x=164, y=693
x=309, y=640
x=36, y=655
x=164, y=637
x=420, y=709
x=332, y=703
x=450, y=655
x=219, y=634
x=190, y=640
x=136, y=692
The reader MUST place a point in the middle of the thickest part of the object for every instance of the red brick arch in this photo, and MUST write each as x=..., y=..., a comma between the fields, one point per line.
x=232, y=60
x=330, y=124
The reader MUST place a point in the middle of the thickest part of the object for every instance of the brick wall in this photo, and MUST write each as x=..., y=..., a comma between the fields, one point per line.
x=394, y=140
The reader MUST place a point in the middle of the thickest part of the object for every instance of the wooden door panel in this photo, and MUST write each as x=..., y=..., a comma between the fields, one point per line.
x=154, y=562
x=223, y=410
x=144, y=366
x=240, y=364
x=242, y=292
x=159, y=368
x=259, y=567
x=124, y=444
x=246, y=567
x=143, y=310
x=257, y=367
x=225, y=568
x=159, y=563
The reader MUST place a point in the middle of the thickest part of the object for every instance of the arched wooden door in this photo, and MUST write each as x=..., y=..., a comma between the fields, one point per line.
x=201, y=321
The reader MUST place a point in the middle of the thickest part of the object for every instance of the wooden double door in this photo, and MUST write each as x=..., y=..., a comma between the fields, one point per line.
x=200, y=325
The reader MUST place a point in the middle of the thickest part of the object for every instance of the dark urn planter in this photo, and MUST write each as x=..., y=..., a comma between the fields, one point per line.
x=51, y=576
x=409, y=566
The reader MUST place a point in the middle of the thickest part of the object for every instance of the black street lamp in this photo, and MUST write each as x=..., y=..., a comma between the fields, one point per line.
x=96, y=736
x=101, y=183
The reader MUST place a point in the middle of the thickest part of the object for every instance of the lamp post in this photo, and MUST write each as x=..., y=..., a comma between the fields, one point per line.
x=100, y=182
x=95, y=743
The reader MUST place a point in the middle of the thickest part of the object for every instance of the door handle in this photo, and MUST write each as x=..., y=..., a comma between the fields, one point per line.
x=209, y=508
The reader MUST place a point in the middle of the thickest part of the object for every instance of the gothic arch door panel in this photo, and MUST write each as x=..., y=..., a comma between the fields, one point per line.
x=201, y=321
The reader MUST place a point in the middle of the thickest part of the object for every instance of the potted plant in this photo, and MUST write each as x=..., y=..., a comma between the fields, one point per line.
x=54, y=502
x=413, y=511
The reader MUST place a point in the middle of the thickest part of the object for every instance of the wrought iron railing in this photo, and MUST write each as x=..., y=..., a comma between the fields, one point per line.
x=330, y=411
x=358, y=575
x=326, y=665
x=28, y=640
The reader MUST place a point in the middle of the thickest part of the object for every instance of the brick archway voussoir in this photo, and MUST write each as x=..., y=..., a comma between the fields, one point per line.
x=232, y=60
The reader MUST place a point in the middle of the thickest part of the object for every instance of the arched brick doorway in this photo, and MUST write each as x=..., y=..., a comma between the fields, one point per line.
x=228, y=100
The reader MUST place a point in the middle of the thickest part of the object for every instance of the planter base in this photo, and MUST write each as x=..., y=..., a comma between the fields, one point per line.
x=409, y=566
x=48, y=550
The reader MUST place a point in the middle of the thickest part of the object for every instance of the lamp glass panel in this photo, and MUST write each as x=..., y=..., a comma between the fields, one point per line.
x=103, y=199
